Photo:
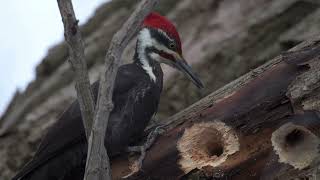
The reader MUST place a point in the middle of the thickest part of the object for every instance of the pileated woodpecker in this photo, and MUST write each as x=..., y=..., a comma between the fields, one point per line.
x=62, y=152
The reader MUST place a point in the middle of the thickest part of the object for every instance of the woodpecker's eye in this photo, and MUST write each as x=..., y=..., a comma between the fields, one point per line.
x=172, y=45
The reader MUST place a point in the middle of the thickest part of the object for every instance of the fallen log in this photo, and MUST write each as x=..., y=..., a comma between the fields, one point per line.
x=265, y=125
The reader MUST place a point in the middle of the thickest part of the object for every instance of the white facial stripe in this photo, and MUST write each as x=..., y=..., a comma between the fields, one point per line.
x=165, y=34
x=161, y=47
x=161, y=59
x=145, y=41
x=145, y=38
x=157, y=57
x=148, y=41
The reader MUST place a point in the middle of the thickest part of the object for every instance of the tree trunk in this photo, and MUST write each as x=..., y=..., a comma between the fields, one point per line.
x=263, y=125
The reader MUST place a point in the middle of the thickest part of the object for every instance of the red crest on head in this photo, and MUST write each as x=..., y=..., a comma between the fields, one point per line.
x=155, y=20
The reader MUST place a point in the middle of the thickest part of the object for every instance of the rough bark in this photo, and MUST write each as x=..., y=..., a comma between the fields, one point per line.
x=98, y=166
x=263, y=125
x=77, y=60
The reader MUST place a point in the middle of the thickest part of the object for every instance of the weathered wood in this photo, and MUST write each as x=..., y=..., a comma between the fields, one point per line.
x=78, y=63
x=98, y=167
x=101, y=166
x=231, y=133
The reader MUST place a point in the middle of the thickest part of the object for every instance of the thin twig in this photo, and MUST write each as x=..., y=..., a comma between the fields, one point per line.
x=76, y=49
x=98, y=166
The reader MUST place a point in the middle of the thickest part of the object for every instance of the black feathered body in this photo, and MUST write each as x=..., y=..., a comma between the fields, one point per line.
x=62, y=152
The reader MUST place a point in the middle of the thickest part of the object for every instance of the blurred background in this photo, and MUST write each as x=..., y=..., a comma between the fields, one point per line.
x=222, y=39
x=29, y=29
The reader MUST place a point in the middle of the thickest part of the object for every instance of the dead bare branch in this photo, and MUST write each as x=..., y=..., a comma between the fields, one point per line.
x=77, y=60
x=98, y=166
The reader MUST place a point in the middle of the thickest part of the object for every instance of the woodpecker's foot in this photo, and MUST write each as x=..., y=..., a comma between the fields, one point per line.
x=137, y=166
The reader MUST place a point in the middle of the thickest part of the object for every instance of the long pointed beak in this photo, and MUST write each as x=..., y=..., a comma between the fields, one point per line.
x=183, y=66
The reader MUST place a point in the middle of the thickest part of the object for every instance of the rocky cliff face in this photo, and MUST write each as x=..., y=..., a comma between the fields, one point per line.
x=222, y=39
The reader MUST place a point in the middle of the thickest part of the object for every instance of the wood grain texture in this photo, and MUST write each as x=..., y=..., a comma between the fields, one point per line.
x=201, y=141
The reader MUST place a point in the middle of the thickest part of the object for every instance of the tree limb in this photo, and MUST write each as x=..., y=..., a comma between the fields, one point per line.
x=77, y=60
x=264, y=124
x=98, y=166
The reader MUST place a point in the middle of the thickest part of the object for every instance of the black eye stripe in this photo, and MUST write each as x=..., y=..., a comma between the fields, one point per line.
x=161, y=38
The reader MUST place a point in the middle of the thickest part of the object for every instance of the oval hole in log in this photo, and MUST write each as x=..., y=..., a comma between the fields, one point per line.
x=294, y=138
x=206, y=144
x=209, y=143
x=295, y=145
x=216, y=150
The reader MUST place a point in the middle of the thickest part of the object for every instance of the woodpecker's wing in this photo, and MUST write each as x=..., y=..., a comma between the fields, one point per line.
x=68, y=131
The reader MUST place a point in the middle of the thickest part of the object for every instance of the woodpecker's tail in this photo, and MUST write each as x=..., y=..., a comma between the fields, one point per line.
x=68, y=165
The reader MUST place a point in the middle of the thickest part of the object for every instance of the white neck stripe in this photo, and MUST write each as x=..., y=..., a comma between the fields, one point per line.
x=145, y=41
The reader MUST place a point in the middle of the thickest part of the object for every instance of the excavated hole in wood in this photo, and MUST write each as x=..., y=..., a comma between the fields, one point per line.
x=206, y=144
x=216, y=150
x=295, y=145
x=294, y=138
x=209, y=143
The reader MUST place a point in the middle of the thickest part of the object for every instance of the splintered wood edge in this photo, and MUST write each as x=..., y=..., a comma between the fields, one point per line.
x=295, y=145
x=206, y=144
